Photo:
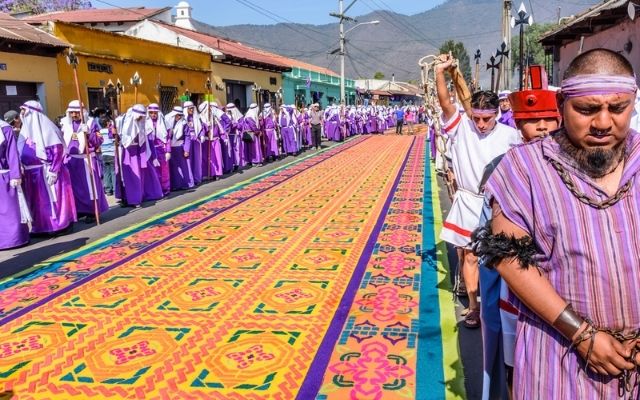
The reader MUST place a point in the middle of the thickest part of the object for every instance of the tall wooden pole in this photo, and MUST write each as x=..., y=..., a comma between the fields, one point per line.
x=210, y=143
x=72, y=59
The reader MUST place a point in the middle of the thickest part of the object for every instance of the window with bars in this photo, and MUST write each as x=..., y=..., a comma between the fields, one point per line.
x=168, y=96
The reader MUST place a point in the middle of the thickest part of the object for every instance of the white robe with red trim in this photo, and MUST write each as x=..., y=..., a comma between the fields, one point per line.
x=471, y=152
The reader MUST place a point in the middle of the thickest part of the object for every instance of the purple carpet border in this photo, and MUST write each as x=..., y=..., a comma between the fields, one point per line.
x=315, y=375
x=104, y=270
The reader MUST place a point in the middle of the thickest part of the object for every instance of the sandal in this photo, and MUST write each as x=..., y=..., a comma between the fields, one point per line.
x=472, y=319
x=465, y=312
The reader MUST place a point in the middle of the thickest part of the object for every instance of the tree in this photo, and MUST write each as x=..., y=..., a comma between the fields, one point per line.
x=42, y=6
x=533, y=50
x=378, y=75
x=459, y=52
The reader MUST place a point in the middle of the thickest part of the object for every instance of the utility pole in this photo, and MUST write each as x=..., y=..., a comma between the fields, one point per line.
x=505, y=67
x=342, y=18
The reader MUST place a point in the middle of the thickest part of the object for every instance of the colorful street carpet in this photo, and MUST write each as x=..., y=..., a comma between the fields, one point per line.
x=318, y=280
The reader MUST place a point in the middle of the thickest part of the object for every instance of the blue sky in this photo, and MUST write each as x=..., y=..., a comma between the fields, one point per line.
x=232, y=12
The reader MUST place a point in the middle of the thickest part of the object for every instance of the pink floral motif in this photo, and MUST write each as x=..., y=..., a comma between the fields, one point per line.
x=337, y=234
x=12, y=348
x=106, y=256
x=398, y=237
x=386, y=303
x=154, y=233
x=293, y=295
x=125, y=354
x=371, y=370
x=200, y=294
x=175, y=256
x=395, y=264
x=114, y=291
x=246, y=358
x=319, y=259
x=189, y=217
x=30, y=292
x=246, y=257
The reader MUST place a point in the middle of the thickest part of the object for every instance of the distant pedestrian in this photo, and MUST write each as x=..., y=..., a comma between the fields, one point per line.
x=316, y=125
x=399, y=120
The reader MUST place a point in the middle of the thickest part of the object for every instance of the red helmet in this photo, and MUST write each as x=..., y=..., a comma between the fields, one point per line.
x=537, y=102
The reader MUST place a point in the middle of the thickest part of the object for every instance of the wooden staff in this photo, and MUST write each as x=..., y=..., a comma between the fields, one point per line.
x=72, y=59
x=135, y=81
x=462, y=90
x=116, y=144
x=209, y=98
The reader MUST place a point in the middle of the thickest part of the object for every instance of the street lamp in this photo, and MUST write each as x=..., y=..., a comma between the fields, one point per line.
x=342, y=53
x=522, y=20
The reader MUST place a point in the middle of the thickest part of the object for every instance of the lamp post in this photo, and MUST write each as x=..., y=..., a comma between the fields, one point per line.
x=343, y=33
x=522, y=20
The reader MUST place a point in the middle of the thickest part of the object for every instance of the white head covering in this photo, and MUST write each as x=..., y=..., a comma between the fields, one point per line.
x=287, y=116
x=67, y=124
x=236, y=115
x=252, y=112
x=39, y=129
x=197, y=124
x=208, y=110
x=177, y=128
x=267, y=111
x=160, y=128
x=131, y=128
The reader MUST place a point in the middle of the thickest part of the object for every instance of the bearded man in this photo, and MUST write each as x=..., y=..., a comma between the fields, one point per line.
x=564, y=236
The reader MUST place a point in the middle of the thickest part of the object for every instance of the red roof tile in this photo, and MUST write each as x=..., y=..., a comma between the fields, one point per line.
x=15, y=29
x=231, y=48
x=131, y=14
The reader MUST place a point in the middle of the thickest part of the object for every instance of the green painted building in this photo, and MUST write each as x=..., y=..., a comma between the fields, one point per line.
x=307, y=84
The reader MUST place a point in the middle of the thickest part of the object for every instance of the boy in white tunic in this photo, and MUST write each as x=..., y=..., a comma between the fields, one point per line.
x=475, y=142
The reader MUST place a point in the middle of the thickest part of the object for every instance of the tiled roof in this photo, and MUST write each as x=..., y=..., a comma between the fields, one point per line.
x=232, y=49
x=132, y=14
x=17, y=30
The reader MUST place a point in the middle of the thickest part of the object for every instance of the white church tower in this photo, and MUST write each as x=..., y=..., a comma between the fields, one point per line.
x=183, y=16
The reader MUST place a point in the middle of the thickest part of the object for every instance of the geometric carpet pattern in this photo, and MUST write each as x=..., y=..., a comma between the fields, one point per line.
x=287, y=286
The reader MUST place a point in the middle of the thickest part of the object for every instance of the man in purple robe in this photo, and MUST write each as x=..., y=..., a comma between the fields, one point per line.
x=77, y=135
x=196, y=132
x=287, y=130
x=251, y=124
x=269, y=125
x=564, y=236
x=180, y=173
x=212, y=160
x=15, y=229
x=506, y=113
x=235, y=137
x=140, y=180
x=47, y=184
x=158, y=137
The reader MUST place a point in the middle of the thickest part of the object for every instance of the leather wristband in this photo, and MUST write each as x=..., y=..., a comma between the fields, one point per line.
x=568, y=322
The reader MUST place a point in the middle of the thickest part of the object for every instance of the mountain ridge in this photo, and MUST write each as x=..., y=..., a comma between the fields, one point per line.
x=396, y=44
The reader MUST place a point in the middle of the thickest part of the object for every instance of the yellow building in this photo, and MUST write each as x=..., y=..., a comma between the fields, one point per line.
x=28, y=67
x=237, y=69
x=167, y=72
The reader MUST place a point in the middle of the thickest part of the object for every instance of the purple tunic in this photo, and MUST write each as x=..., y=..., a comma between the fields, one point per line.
x=77, y=165
x=271, y=137
x=13, y=232
x=507, y=119
x=179, y=166
x=253, y=150
x=159, y=151
x=212, y=148
x=195, y=153
x=52, y=207
x=589, y=256
x=237, y=145
x=141, y=182
x=288, y=135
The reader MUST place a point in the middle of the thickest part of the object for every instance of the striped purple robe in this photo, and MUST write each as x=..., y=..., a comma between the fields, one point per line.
x=590, y=256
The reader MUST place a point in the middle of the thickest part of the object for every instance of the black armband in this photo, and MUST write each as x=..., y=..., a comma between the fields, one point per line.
x=492, y=249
